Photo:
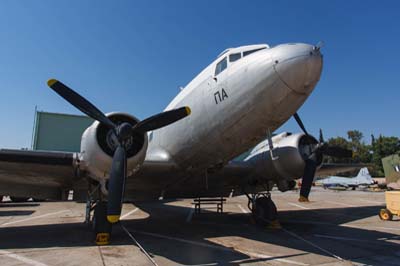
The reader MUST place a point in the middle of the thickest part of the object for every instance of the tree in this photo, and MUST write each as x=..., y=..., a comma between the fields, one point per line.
x=341, y=142
x=355, y=136
x=361, y=151
x=364, y=153
x=382, y=147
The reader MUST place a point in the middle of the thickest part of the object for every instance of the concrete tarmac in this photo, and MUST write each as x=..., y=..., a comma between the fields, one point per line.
x=335, y=228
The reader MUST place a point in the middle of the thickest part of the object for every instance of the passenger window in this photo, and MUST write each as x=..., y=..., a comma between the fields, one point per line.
x=221, y=66
x=252, y=51
x=234, y=57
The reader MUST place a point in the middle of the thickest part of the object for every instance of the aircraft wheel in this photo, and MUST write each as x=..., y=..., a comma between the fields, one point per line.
x=385, y=215
x=102, y=227
x=18, y=199
x=265, y=211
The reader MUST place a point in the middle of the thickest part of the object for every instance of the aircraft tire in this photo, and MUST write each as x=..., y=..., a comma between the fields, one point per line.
x=265, y=211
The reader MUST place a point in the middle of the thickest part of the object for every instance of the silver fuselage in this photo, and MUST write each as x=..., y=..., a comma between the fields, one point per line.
x=263, y=90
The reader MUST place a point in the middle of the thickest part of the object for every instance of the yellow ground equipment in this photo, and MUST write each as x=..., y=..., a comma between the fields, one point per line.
x=392, y=205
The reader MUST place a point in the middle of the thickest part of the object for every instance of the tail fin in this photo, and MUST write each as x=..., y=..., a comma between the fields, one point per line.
x=364, y=177
x=363, y=172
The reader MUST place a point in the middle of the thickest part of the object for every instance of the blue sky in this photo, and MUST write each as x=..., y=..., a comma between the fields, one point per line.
x=133, y=56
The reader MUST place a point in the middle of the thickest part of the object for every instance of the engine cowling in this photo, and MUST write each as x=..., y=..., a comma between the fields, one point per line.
x=98, y=144
x=288, y=157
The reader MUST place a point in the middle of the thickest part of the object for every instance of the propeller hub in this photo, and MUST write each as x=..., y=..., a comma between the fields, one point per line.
x=124, y=131
x=122, y=135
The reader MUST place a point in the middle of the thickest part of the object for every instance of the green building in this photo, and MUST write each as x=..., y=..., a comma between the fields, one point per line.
x=58, y=132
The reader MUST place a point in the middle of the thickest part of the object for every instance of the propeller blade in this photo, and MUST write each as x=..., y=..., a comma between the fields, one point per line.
x=116, y=185
x=321, y=136
x=336, y=151
x=300, y=123
x=79, y=102
x=319, y=45
x=308, y=178
x=162, y=119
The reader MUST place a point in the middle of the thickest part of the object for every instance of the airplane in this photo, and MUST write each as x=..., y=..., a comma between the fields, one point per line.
x=244, y=95
x=363, y=178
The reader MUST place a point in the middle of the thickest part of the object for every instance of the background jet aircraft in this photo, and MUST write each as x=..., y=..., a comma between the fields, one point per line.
x=362, y=179
x=228, y=108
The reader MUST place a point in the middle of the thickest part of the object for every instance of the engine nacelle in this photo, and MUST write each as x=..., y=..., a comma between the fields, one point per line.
x=288, y=157
x=98, y=143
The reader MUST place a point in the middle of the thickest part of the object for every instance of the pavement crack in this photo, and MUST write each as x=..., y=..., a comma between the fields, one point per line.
x=101, y=256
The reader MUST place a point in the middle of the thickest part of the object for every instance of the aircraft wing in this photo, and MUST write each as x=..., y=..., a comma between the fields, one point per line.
x=157, y=179
x=39, y=174
x=328, y=169
x=44, y=174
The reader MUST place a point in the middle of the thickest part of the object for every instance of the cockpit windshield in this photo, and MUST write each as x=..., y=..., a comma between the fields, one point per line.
x=234, y=57
x=221, y=66
x=252, y=51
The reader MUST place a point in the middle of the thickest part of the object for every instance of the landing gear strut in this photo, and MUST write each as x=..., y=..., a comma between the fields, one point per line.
x=101, y=226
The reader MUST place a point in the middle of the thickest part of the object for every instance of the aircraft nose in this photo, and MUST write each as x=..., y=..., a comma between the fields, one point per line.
x=299, y=66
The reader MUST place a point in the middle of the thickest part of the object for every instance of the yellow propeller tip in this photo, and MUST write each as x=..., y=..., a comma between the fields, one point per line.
x=51, y=82
x=188, y=111
x=113, y=218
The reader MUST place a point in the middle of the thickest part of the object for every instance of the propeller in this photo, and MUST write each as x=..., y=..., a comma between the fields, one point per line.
x=116, y=184
x=319, y=45
x=311, y=163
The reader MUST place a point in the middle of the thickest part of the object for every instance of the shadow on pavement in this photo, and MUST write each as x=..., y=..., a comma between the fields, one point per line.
x=15, y=213
x=166, y=233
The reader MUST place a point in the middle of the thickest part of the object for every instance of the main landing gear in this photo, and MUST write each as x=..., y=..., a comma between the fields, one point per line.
x=96, y=204
x=263, y=209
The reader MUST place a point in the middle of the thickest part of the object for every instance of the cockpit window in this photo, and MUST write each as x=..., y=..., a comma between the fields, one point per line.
x=252, y=51
x=234, y=57
x=221, y=66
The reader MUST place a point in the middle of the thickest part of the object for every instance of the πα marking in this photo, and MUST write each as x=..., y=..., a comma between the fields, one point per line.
x=220, y=96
